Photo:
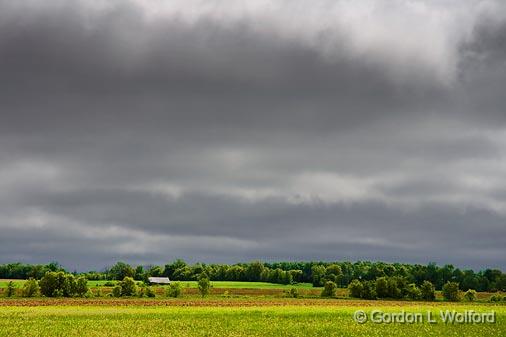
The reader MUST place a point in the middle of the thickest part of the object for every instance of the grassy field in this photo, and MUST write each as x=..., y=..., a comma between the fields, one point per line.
x=228, y=284
x=193, y=284
x=295, y=319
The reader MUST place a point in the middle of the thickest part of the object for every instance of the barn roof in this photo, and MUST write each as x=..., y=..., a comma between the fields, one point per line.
x=160, y=280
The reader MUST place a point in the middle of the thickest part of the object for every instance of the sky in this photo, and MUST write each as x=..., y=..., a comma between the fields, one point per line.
x=225, y=131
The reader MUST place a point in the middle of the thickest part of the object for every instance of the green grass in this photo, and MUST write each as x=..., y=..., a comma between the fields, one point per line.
x=228, y=284
x=248, y=285
x=114, y=321
x=4, y=282
x=193, y=284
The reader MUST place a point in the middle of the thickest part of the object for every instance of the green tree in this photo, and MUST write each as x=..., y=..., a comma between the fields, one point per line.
x=68, y=287
x=128, y=287
x=204, y=285
x=49, y=284
x=382, y=287
x=451, y=291
x=81, y=286
x=30, y=288
x=254, y=271
x=329, y=289
x=413, y=292
x=174, y=290
x=10, y=290
x=150, y=292
x=120, y=270
x=318, y=275
x=116, y=291
x=355, y=288
x=428, y=292
x=333, y=273
x=369, y=290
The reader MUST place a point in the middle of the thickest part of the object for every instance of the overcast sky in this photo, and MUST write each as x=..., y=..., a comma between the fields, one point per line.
x=226, y=131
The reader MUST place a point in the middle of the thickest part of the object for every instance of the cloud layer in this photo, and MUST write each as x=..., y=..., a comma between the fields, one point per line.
x=226, y=131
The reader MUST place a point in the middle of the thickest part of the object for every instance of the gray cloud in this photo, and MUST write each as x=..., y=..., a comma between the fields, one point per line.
x=222, y=132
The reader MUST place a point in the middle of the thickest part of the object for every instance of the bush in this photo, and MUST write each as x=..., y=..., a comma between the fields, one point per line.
x=204, y=285
x=412, y=292
x=88, y=294
x=58, y=284
x=355, y=288
x=10, y=290
x=470, y=295
x=293, y=293
x=150, y=292
x=30, y=288
x=128, y=287
x=98, y=293
x=174, y=290
x=68, y=287
x=497, y=297
x=81, y=286
x=329, y=289
x=109, y=284
x=451, y=291
x=49, y=284
x=428, y=292
x=140, y=292
x=116, y=291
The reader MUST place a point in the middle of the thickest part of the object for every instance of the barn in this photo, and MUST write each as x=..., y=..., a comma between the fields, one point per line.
x=158, y=280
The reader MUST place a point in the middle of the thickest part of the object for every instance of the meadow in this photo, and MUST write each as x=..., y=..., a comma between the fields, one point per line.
x=287, y=318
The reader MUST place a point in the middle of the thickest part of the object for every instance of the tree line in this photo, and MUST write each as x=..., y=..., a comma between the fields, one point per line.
x=317, y=273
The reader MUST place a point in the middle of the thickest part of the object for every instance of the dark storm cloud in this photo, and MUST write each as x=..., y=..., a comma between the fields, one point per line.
x=221, y=132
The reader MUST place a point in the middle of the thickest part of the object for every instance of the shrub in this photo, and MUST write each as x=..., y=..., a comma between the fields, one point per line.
x=204, y=285
x=412, y=292
x=10, y=290
x=428, y=292
x=495, y=298
x=451, y=291
x=116, y=291
x=88, y=294
x=49, y=284
x=150, y=292
x=128, y=287
x=329, y=289
x=81, y=286
x=58, y=284
x=68, y=286
x=140, y=292
x=30, y=288
x=293, y=292
x=470, y=295
x=174, y=290
x=98, y=293
x=355, y=288
x=109, y=284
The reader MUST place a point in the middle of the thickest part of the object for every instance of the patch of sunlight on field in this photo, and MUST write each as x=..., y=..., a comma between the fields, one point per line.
x=228, y=321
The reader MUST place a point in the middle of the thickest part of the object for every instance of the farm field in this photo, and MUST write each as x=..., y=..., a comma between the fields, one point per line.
x=230, y=284
x=294, y=318
x=193, y=284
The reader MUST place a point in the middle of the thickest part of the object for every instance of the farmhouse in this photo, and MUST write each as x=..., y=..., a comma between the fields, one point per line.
x=158, y=280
